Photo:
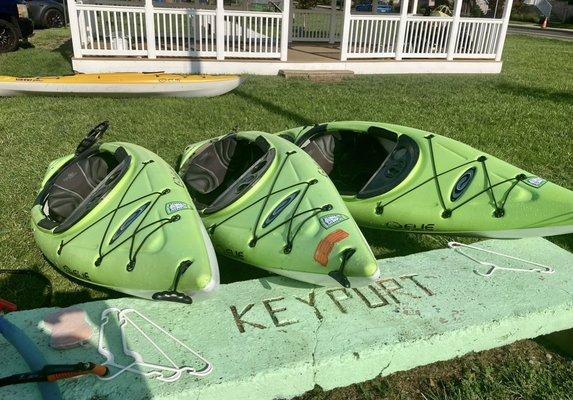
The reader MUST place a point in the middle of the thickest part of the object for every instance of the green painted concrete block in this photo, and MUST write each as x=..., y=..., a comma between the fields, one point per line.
x=277, y=338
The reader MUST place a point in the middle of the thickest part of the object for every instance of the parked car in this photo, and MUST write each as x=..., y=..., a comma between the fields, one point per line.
x=382, y=8
x=14, y=25
x=47, y=13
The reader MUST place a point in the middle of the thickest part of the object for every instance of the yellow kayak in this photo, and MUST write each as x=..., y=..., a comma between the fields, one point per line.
x=121, y=84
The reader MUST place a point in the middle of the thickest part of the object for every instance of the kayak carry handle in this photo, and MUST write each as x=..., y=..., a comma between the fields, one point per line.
x=92, y=137
x=173, y=294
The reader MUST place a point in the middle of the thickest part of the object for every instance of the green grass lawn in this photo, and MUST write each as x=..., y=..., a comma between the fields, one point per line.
x=523, y=115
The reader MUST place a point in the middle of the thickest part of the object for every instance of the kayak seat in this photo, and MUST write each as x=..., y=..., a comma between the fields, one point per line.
x=224, y=170
x=74, y=184
x=349, y=158
x=79, y=186
x=362, y=164
x=208, y=169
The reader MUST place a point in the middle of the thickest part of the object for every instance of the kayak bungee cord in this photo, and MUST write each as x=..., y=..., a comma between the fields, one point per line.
x=132, y=254
x=447, y=213
x=289, y=240
x=254, y=238
x=145, y=164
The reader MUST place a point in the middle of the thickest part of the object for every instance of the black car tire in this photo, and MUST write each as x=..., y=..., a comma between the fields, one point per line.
x=53, y=19
x=9, y=36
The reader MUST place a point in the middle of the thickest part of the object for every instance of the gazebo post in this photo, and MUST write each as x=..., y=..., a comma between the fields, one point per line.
x=291, y=21
x=332, y=33
x=285, y=29
x=345, y=31
x=74, y=27
x=503, y=30
x=414, y=6
x=150, y=29
x=220, y=29
x=454, y=31
x=401, y=29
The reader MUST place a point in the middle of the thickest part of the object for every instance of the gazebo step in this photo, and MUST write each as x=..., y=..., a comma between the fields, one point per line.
x=317, y=75
x=276, y=338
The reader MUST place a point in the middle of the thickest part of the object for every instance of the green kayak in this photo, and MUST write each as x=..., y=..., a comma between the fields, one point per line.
x=403, y=179
x=118, y=216
x=266, y=203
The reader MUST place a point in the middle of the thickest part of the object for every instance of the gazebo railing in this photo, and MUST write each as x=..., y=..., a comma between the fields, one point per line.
x=113, y=30
x=252, y=34
x=185, y=32
x=152, y=31
x=372, y=36
x=376, y=36
x=142, y=29
x=318, y=25
x=477, y=38
x=426, y=37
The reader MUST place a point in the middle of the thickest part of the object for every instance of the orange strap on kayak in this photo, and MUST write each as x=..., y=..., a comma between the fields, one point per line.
x=326, y=245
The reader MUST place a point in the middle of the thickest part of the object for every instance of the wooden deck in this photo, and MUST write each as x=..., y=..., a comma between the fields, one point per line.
x=313, y=52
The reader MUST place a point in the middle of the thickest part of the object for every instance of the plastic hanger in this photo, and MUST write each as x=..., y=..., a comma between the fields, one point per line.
x=176, y=372
x=539, y=268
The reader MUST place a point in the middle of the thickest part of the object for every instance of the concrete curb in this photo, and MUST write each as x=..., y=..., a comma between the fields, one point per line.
x=275, y=338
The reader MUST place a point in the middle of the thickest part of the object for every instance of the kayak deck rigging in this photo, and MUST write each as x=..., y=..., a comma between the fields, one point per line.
x=290, y=239
x=138, y=229
x=498, y=211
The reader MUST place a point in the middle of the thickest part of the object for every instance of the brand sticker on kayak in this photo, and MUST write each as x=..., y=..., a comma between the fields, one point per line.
x=535, y=181
x=174, y=206
x=330, y=220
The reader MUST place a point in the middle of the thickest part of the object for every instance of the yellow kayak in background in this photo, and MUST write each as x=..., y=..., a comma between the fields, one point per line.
x=121, y=85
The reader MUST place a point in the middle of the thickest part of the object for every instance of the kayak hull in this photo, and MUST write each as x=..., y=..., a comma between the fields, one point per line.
x=288, y=219
x=121, y=85
x=142, y=238
x=441, y=186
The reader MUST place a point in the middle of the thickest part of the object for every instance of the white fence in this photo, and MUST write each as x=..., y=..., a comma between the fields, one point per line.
x=143, y=30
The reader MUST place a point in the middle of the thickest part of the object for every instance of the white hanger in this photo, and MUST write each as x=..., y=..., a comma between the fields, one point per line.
x=175, y=370
x=543, y=269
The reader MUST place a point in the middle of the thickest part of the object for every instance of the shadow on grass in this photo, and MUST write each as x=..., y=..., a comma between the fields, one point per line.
x=26, y=45
x=515, y=89
x=559, y=342
x=273, y=108
x=66, y=51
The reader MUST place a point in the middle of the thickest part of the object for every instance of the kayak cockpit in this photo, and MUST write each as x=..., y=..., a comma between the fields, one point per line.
x=77, y=187
x=361, y=163
x=222, y=171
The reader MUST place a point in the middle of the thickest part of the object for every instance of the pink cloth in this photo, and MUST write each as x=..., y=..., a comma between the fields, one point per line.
x=68, y=327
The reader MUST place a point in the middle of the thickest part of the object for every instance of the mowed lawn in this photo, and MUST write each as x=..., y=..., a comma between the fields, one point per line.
x=523, y=115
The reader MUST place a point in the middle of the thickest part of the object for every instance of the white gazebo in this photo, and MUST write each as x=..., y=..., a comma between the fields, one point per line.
x=263, y=37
